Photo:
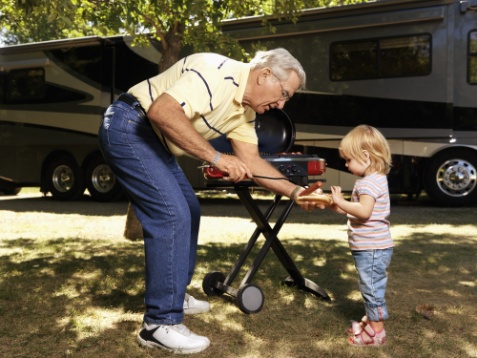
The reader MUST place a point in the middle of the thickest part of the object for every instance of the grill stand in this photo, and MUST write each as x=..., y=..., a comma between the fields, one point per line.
x=249, y=297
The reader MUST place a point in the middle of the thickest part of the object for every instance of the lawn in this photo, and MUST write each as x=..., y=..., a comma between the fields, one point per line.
x=72, y=286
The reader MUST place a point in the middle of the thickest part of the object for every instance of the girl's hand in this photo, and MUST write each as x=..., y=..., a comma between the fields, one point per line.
x=337, y=197
x=336, y=194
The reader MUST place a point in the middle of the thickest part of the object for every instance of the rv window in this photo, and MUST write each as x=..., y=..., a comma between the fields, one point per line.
x=25, y=85
x=84, y=60
x=472, y=58
x=3, y=76
x=381, y=58
x=353, y=61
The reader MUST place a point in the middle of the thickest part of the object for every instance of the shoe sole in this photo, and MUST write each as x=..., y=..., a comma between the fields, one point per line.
x=192, y=311
x=152, y=345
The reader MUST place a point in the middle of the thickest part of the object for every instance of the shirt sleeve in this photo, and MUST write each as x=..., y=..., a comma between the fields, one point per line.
x=367, y=186
x=245, y=132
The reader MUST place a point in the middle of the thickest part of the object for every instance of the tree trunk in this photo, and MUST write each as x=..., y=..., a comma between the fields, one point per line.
x=170, y=55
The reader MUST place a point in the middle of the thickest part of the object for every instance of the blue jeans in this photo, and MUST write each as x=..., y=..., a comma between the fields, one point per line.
x=163, y=201
x=371, y=266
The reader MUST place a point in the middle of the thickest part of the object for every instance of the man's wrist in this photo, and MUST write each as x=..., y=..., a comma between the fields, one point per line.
x=295, y=191
x=216, y=159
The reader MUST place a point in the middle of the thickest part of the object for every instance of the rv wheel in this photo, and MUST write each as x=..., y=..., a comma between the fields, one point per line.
x=451, y=178
x=101, y=182
x=64, y=178
x=10, y=190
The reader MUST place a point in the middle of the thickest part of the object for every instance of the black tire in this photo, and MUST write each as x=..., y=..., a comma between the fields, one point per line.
x=101, y=181
x=64, y=178
x=10, y=191
x=250, y=298
x=209, y=283
x=451, y=178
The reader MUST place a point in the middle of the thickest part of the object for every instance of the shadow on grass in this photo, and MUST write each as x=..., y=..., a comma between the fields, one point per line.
x=418, y=212
x=85, y=206
x=402, y=213
x=54, y=295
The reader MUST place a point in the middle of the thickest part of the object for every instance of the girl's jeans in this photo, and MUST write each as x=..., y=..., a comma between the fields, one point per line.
x=372, y=266
x=163, y=201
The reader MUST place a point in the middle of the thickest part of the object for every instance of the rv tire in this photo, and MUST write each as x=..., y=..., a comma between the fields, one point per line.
x=101, y=182
x=64, y=178
x=451, y=178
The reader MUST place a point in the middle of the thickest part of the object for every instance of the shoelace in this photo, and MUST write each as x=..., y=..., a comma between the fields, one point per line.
x=182, y=329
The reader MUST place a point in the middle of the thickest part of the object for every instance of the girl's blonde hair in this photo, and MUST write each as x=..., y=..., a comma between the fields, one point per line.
x=367, y=138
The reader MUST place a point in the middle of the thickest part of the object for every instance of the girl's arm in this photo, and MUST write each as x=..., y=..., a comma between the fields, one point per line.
x=361, y=209
x=336, y=209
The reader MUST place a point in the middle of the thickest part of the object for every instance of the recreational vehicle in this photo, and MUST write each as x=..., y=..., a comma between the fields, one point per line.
x=406, y=67
x=52, y=96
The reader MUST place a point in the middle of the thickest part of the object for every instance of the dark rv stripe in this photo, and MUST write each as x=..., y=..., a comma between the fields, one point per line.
x=76, y=108
x=36, y=132
x=349, y=111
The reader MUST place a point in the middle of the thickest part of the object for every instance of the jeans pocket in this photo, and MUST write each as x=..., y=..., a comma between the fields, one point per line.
x=111, y=124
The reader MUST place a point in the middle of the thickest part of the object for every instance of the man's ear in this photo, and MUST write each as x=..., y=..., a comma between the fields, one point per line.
x=263, y=75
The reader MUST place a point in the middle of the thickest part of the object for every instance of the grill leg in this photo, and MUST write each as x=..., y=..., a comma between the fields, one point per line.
x=296, y=279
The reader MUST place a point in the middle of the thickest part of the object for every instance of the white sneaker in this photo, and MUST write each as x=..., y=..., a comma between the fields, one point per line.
x=193, y=306
x=175, y=338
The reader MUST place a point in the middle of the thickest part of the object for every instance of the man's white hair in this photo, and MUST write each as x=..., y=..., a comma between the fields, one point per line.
x=281, y=62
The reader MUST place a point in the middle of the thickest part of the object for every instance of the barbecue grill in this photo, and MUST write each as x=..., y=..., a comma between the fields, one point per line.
x=276, y=134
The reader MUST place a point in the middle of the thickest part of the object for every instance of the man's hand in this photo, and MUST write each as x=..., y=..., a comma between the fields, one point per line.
x=309, y=205
x=234, y=168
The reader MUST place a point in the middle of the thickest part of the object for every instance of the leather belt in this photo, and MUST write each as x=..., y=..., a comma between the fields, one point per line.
x=128, y=99
x=131, y=100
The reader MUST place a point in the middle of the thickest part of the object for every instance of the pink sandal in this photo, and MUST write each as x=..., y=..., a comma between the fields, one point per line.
x=357, y=327
x=366, y=336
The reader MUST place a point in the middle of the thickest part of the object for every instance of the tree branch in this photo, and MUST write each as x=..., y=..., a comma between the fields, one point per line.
x=159, y=31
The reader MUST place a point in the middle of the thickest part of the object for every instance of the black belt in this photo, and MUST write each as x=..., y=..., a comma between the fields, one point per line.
x=128, y=99
x=131, y=100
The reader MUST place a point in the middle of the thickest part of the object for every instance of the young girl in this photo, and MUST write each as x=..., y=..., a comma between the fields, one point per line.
x=368, y=156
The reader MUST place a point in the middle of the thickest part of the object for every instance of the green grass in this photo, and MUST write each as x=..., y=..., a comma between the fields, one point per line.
x=71, y=286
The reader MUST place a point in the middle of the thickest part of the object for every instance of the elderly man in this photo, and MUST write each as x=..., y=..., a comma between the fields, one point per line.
x=177, y=112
